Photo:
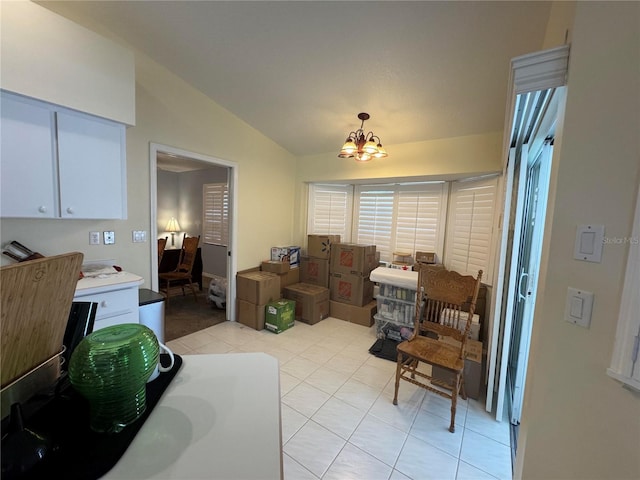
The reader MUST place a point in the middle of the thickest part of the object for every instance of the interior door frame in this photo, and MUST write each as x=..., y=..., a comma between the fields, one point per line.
x=232, y=262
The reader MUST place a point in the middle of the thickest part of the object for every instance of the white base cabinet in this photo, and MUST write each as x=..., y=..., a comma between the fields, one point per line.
x=116, y=296
x=57, y=163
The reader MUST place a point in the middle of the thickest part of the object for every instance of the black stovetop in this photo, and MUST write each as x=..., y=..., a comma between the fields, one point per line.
x=61, y=418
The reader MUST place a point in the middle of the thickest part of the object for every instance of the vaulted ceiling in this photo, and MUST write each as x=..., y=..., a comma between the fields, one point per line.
x=301, y=71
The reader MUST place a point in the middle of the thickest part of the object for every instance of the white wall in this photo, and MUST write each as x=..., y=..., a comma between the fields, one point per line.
x=578, y=422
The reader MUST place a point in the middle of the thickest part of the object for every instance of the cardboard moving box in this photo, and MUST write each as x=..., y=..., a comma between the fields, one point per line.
x=352, y=289
x=351, y=313
x=319, y=246
x=250, y=314
x=314, y=271
x=258, y=287
x=473, y=370
x=280, y=315
x=275, y=266
x=312, y=301
x=353, y=259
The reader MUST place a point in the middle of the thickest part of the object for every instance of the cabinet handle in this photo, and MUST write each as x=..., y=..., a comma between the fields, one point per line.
x=103, y=304
x=42, y=209
x=69, y=210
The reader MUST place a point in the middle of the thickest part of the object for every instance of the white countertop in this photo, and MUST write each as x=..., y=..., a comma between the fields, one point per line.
x=218, y=419
x=119, y=280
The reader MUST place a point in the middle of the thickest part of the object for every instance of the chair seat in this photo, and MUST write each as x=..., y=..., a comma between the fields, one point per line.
x=175, y=276
x=431, y=350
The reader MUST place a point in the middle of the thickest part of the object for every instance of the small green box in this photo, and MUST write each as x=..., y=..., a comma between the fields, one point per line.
x=279, y=315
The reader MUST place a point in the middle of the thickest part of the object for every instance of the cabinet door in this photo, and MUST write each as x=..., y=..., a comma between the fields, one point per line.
x=27, y=169
x=91, y=158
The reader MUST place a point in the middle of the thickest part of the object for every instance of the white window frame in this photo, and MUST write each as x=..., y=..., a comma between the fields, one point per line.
x=215, y=213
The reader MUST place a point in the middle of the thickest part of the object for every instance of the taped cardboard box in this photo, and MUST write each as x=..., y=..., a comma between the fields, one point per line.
x=280, y=315
x=473, y=368
x=312, y=301
x=314, y=271
x=258, y=287
x=250, y=314
x=287, y=254
x=351, y=258
x=352, y=289
x=351, y=313
x=319, y=246
x=275, y=266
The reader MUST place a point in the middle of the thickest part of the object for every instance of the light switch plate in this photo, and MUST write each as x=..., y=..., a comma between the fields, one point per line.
x=589, y=240
x=139, y=236
x=109, y=238
x=94, y=238
x=579, y=307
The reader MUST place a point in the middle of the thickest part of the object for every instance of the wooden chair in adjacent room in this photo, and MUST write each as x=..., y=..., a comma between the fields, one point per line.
x=444, y=311
x=162, y=243
x=181, y=276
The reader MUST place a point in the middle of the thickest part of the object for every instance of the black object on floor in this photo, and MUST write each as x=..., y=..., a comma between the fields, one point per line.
x=385, y=348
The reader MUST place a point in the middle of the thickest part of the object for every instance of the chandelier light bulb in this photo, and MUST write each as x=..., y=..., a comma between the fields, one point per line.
x=361, y=146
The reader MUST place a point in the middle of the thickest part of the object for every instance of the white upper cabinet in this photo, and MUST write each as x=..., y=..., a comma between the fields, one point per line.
x=57, y=163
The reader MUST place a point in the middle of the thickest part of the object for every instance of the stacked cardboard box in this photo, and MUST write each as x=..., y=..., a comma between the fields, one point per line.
x=351, y=290
x=280, y=315
x=287, y=254
x=311, y=301
x=254, y=290
x=286, y=274
x=314, y=266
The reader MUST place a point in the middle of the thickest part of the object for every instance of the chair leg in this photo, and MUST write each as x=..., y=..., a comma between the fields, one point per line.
x=193, y=289
x=454, y=400
x=398, y=370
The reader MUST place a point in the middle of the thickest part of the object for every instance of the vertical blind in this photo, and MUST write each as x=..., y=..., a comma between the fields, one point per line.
x=216, y=213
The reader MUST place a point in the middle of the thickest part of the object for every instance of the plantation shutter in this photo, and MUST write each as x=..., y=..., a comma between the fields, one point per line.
x=375, y=211
x=470, y=226
x=216, y=213
x=420, y=218
x=330, y=209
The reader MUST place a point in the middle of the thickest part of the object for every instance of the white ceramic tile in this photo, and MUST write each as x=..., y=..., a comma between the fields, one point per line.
x=299, y=367
x=400, y=416
x=294, y=471
x=435, y=431
x=354, y=464
x=372, y=376
x=339, y=417
x=483, y=422
x=357, y=394
x=314, y=447
x=178, y=347
x=197, y=339
x=469, y=472
x=287, y=383
x=421, y=461
x=344, y=363
x=291, y=421
x=305, y=399
x=214, y=346
x=317, y=354
x=281, y=354
x=327, y=380
x=396, y=475
x=486, y=454
x=379, y=439
x=441, y=406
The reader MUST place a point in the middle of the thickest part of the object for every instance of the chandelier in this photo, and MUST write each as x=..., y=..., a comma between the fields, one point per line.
x=363, y=147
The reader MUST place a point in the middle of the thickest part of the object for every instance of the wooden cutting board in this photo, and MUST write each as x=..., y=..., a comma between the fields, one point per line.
x=36, y=298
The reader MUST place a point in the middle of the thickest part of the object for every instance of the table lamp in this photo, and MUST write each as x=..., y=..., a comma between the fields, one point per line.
x=173, y=227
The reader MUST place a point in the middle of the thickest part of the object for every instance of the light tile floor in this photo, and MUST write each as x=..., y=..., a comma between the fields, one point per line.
x=338, y=420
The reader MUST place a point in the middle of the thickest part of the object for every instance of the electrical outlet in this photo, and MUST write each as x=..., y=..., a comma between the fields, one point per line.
x=94, y=238
x=139, y=236
x=109, y=238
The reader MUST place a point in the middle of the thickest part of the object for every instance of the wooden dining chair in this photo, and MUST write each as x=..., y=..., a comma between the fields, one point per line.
x=444, y=311
x=162, y=243
x=181, y=275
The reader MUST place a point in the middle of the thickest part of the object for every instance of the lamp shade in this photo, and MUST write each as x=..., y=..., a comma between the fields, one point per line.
x=173, y=225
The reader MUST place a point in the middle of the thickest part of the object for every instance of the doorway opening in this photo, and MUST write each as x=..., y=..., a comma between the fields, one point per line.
x=193, y=171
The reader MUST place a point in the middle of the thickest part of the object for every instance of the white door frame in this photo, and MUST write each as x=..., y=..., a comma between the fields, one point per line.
x=232, y=267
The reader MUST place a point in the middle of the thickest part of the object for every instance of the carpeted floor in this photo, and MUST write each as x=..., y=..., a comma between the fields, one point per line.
x=184, y=315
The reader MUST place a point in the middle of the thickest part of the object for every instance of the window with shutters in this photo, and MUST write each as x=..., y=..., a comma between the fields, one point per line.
x=401, y=218
x=470, y=226
x=216, y=213
x=330, y=210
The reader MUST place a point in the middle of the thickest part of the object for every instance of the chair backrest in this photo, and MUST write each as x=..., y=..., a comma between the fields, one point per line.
x=188, y=253
x=162, y=243
x=449, y=303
